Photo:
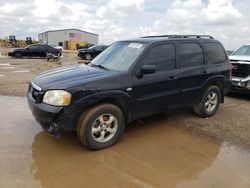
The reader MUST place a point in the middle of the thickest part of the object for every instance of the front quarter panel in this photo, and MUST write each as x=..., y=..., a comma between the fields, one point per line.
x=116, y=89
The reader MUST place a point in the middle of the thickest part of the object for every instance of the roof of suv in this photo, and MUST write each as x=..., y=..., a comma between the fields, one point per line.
x=151, y=39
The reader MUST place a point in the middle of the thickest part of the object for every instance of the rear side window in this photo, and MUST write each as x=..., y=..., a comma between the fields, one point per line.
x=191, y=55
x=215, y=52
x=162, y=56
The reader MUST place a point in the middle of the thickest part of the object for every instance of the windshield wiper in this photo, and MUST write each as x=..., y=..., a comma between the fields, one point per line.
x=100, y=66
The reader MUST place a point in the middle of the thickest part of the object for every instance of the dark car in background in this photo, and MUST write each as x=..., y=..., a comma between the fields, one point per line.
x=131, y=79
x=91, y=52
x=34, y=50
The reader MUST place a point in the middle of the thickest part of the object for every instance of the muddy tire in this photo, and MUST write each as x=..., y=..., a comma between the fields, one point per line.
x=18, y=55
x=87, y=56
x=209, y=103
x=101, y=126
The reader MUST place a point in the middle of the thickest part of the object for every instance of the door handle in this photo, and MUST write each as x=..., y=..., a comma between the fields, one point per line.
x=205, y=72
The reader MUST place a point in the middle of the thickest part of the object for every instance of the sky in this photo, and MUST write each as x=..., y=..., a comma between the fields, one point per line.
x=226, y=20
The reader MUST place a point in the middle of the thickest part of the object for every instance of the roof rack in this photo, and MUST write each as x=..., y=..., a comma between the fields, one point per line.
x=181, y=36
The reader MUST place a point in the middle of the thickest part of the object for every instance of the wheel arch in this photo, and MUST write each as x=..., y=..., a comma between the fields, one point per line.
x=218, y=81
x=118, y=98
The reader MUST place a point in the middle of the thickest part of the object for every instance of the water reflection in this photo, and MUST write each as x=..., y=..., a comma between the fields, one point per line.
x=154, y=152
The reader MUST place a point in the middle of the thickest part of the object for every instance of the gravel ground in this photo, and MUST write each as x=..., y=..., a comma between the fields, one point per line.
x=231, y=123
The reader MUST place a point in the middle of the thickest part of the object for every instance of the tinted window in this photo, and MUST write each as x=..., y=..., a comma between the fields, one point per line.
x=162, y=56
x=215, y=52
x=34, y=47
x=190, y=55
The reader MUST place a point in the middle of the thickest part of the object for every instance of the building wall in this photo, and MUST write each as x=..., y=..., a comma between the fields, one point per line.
x=57, y=37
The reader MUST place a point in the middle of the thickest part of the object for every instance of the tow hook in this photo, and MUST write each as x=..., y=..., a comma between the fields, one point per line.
x=53, y=130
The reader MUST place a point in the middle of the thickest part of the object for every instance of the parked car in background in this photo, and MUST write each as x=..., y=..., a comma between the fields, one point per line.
x=240, y=61
x=58, y=47
x=79, y=47
x=131, y=79
x=34, y=50
x=91, y=52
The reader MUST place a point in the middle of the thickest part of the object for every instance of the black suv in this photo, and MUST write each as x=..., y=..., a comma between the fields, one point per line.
x=34, y=50
x=91, y=52
x=130, y=80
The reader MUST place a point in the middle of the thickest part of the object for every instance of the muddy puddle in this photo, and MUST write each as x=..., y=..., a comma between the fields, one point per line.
x=154, y=152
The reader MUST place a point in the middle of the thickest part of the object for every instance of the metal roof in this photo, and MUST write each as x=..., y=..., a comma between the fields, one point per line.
x=67, y=30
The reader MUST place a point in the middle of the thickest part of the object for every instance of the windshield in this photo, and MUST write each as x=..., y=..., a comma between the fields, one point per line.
x=243, y=50
x=119, y=56
x=92, y=47
x=28, y=46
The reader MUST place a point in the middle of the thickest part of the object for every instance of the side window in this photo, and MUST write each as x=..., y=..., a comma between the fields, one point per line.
x=191, y=55
x=215, y=52
x=33, y=47
x=162, y=56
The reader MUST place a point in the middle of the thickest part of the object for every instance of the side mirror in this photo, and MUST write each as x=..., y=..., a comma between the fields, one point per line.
x=146, y=69
x=27, y=48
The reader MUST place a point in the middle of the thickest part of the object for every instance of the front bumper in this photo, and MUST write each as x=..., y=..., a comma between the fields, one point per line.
x=11, y=54
x=53, y=118
x=240, y=84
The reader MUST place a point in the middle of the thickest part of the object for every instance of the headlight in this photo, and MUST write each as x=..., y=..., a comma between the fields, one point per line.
x=57, y=98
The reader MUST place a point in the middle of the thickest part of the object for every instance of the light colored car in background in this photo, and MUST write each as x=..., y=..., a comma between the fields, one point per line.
x=240, y=60
x=58, y=47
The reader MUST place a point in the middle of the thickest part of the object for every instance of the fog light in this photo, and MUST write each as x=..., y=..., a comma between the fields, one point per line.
x=248, y=85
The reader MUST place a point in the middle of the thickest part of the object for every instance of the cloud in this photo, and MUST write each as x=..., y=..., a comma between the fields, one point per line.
x=221, y=12
x=122, y=19
x=114, y=9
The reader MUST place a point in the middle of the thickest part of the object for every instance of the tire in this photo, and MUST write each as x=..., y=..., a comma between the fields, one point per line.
x=18, y=55
x=209, y=103
x=90, y=129
x=87, y=56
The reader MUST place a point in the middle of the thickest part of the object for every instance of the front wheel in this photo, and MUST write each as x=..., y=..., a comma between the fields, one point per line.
x=209, y=103
x=101, y=126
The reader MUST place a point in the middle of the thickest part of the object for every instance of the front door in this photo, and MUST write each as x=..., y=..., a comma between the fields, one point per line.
x=158, y=91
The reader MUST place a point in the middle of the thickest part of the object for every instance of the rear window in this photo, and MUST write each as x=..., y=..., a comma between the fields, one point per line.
x=215, y=52
x=191, y=55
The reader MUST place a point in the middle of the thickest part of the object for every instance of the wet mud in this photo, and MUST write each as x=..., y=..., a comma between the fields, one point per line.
x=154, y=152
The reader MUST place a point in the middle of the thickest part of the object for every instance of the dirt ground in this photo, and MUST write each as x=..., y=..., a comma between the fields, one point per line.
x=231, y=123
x=15, y=74
x=155, y=152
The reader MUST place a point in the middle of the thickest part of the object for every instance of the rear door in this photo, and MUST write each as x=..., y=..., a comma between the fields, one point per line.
x=191, y=62
x=157, y=91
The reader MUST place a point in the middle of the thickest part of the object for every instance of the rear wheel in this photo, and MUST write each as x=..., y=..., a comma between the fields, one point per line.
x=101, y=126
x=209, y=103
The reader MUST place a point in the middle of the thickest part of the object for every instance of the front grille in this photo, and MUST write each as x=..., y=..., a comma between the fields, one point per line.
x=240, y=70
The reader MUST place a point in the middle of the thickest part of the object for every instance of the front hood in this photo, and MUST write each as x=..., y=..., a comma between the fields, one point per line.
x=240, y=58
x=82, y=49
x=16, y=49
x=63, y=78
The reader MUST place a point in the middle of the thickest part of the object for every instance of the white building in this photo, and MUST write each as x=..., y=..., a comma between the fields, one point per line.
x=59, y=37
